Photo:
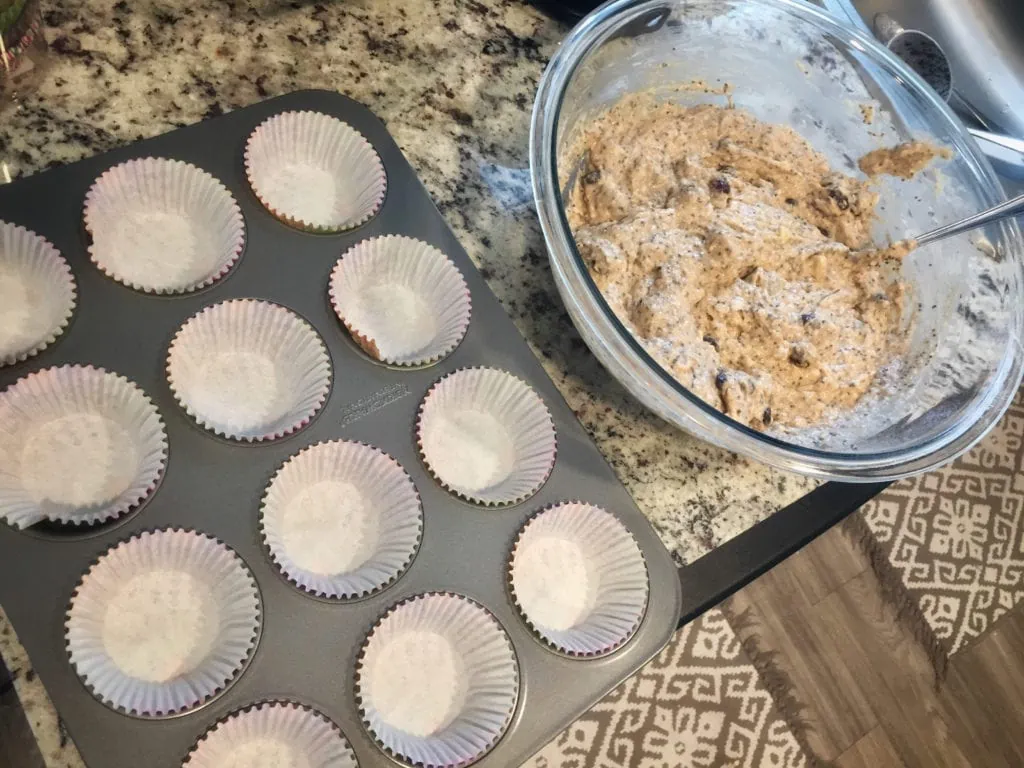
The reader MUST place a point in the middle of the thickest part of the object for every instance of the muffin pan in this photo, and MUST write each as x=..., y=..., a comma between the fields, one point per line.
x=314, y=636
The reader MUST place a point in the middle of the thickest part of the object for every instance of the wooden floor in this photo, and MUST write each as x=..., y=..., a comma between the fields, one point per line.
x=867, y=686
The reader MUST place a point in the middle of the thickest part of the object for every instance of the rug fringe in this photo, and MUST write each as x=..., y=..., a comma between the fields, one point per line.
x=776, y=680
x=908, y=612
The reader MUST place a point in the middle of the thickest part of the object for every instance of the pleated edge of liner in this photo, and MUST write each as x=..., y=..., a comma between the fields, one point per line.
x=301, y=224
x=346, y=598
x=367, y=343
x=534, y=630
x=469, y=497
x=206, y=282
x=144, y=495
x=236, y=674
x=358, y=673
x=62, y=326
x=270, y=436
x=292, y=703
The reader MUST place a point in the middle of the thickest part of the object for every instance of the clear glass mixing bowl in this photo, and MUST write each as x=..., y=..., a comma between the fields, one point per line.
x=787, y=62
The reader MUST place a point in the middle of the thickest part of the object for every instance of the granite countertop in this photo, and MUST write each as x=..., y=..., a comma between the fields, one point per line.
x=454, y=81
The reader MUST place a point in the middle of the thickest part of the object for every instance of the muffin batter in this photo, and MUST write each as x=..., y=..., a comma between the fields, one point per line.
x=904, y=161
x=731, y=250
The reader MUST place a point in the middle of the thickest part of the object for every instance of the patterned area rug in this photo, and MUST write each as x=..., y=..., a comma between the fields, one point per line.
x=948, y=546
x=699, y=704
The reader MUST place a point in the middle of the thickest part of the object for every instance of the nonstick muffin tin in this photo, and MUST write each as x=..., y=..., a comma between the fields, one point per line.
x=308, y=648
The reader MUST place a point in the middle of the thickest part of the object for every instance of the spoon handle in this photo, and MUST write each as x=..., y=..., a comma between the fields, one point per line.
x=1007, y=209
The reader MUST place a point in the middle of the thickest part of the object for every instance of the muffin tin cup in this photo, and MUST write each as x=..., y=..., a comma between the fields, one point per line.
x=486, y=436
x=402, y=300
x=578, y=579
x=437, y=681
x=163, y=226
x=79, y=445
x=315, y=172
x=37, y=294
x=270, y=734
x=163, y=622
x=341, y=520
x=249, y=370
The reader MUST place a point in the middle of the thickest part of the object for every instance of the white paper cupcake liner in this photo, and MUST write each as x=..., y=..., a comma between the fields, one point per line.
x=341, y=519
x=163, y=226
x=162, y=622
x=403, y=301
x=273, y=734
x=249, y=370
x=486, y=436
x=77, y=445
x=579, y=579
x=37, y=294
x=314, y=171
x=437, y=681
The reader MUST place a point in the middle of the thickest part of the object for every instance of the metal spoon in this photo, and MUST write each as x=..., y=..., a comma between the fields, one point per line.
x=1005, y=210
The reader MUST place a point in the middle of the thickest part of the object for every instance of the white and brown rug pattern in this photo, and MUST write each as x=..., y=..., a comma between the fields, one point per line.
x=699, y=704
x=948, y=546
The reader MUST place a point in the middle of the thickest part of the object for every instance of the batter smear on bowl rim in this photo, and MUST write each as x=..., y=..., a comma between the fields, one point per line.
x=740, y=259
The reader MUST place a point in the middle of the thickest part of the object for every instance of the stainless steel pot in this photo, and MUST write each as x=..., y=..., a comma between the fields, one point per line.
x=984, y=40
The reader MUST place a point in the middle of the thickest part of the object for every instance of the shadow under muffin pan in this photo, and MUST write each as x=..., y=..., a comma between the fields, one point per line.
x=309, y=647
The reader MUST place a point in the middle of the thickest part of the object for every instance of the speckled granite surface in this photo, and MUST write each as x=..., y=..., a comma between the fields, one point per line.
x=454, y=81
